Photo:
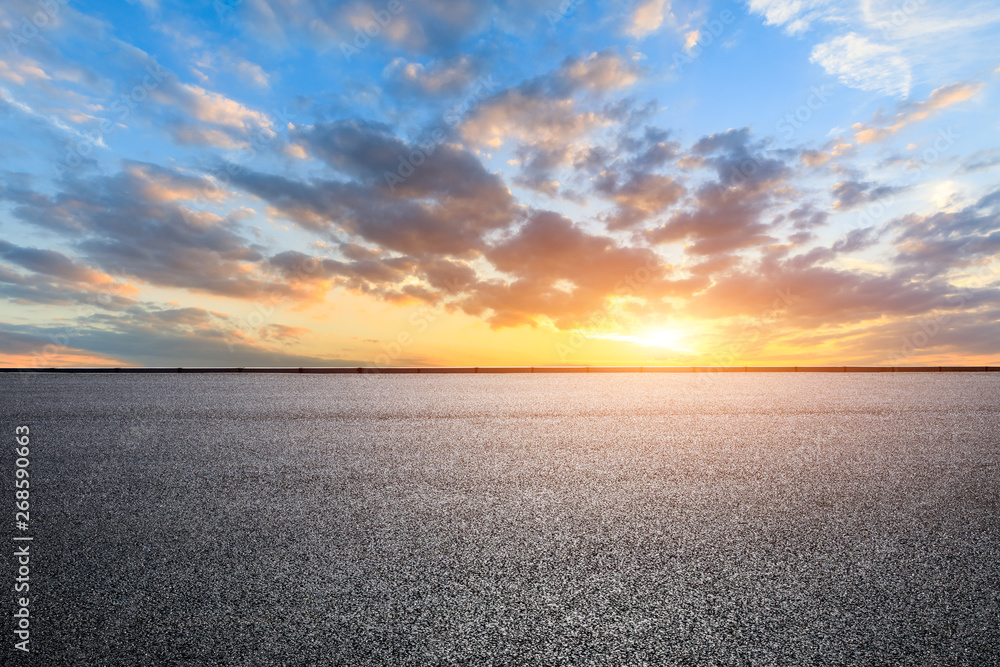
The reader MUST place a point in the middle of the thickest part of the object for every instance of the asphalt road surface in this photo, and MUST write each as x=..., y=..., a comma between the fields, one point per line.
x=758, y=519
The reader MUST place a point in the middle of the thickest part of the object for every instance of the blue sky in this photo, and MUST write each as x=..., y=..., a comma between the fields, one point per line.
x=426, y=182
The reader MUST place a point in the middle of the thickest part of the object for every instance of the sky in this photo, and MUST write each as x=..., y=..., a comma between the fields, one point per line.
x=523, y=182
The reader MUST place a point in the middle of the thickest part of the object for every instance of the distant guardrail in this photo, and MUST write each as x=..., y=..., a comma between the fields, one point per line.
x=374, y=370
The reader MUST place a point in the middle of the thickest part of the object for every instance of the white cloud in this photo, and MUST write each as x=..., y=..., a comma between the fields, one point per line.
x=795, y=16
x=861, y=63
x=890, y=45
x=224, y=60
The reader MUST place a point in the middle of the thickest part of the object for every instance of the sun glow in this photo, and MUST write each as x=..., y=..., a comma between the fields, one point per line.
x=662, y=337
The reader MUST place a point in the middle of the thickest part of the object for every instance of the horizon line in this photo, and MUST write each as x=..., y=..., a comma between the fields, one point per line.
x=373, y=370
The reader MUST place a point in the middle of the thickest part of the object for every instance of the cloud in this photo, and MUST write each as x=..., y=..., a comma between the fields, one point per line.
x=640, y=198
x=444, y=204
x=837, y=147
x=795, y=16
x=283, y=333
x=391, y=278
x=221, y=121
x=941, y=242
x=210, y=107
x=30, y=348
x=722, y=221
x=647, y=16
x=134, y=224
x=981, y=160
x=858, y=62
x=421, y=26
x=22, y=70
x=886, y=46
x=446, y=76
x=367, y=151
x=43, y=289
x=912, y=112
x=224, y=61
x=958, y=330
x=543, y=110
x=561, y=272
x=849, y=194
x=724, y=214
x=599, y=72
x=738, y=161
x=51, y=263
x=820, y=296
x=550, y=268
x=141, y=339
x=528, y=119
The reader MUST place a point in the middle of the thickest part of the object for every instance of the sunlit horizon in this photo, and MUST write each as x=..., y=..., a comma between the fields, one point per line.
x=499, y=183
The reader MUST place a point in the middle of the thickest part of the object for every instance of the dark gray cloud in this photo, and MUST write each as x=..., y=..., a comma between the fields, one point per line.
x=134, y=343
x=823, y=296
x=935, y=244
x=855, y=240
x=55, y=279
x=48, y=262
x=722, y=220
x=981, y=160
x=434, y=199
x=640, y=198
x=447, y=225
x=134, y=224
x=849, y=194
x=725, y=214
x=367, y=152
x=739, y=161
x=807, y=216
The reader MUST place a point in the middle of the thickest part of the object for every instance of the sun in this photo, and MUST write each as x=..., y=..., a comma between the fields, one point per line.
x=670, y=338
x=661, y=337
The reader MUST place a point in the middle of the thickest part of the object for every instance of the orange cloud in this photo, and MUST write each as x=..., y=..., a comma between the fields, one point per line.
x=939, y=99
x=647, y=17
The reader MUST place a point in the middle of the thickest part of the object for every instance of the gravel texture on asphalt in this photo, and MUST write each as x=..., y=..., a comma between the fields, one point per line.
x=721, y=519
